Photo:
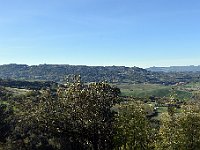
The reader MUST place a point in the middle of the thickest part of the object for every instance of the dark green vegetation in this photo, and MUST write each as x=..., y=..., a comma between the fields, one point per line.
x=73, y=116
x=33, y=85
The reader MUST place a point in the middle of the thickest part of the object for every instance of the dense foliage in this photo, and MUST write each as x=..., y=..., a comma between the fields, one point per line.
x=33, y=85
x=76, y=116
x=93, y=116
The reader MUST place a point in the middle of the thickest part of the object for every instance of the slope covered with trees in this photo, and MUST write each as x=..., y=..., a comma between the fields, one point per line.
x=58, y=73
x=112, y=74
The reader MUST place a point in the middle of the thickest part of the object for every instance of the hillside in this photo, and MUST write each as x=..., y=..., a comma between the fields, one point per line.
x=112, y=74
x=58, y=73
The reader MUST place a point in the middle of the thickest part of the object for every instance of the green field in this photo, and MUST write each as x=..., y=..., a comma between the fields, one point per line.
x=147, y=90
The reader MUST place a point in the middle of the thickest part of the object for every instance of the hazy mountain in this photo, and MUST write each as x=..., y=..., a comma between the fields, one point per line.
x=175, y=69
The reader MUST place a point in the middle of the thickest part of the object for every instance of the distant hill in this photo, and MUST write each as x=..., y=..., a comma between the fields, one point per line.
x=111, y=74
x=58, y=73
x=175, y=69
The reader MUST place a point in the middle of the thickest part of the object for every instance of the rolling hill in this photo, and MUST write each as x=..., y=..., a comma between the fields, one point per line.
x=112, y=74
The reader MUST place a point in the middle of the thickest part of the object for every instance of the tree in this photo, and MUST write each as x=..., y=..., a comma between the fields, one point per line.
x=91, y=112
x=190, y=125
x=5, y=127
x=170, y=130
x=133, y=130
x=77, y=116
x=180, y=130
x=169, y=133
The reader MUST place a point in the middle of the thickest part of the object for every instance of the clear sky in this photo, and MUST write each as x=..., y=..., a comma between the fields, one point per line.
x=100, y=32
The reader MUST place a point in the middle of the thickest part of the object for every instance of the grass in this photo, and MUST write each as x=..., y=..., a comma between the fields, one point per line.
x=17, y=91
x=157, y=90
x=162, y=109
x=3, y=102
x=193, y=85
x=147, y=90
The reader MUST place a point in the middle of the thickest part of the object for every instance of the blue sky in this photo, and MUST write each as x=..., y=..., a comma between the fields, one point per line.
x=100, y=32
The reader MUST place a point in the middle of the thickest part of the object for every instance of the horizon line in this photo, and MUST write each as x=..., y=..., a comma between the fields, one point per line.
x=98, y=65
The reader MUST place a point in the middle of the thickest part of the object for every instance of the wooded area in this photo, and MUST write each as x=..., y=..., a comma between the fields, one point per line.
x=94, y=116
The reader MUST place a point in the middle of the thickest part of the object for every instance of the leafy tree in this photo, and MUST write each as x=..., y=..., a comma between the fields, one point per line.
x=5, y=127
x=180, y=130
x=190, y=125
x=90, y=112
x=170, y=130
x=77, y=116
x=133, y=130
x=169, y=134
